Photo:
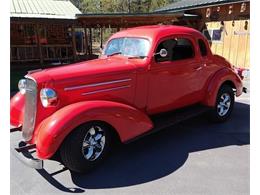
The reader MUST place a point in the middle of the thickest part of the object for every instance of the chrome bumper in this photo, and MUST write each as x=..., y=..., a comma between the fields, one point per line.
x=23, y=153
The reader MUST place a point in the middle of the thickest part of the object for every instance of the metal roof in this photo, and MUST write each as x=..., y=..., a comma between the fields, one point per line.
x=58, y=9
x=195, y=4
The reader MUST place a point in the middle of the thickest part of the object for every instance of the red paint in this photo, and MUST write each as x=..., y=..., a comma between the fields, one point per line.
x=146, y=88
x=126, y=120
x=16, y=110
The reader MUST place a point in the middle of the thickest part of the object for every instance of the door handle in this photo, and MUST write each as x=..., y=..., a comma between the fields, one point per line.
x=198, y=68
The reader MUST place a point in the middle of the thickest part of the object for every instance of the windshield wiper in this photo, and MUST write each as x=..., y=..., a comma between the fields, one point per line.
x=137, y=57
x=112, y=54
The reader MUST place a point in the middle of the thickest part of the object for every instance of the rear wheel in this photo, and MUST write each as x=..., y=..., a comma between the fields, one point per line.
x=224, y=104
x=86, y=146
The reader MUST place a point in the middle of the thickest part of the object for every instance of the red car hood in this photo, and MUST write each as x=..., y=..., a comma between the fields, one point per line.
x=96, y=67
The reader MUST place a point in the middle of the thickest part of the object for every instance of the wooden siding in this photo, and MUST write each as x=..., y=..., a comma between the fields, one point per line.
x=235, y=44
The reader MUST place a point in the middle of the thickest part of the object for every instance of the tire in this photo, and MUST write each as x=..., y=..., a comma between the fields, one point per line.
x=224, y=104
x=79, y=157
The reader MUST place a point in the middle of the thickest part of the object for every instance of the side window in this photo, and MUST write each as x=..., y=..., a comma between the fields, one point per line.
x=178, y=49
x=169, y=45
x=203, y=48
x=183, y=50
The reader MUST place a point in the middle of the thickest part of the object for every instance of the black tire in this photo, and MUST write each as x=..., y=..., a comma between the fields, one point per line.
x=71, y=150
x=215, y=115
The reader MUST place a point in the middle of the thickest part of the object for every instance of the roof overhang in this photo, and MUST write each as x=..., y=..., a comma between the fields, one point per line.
x=42, y=20
x=200, y=6
x=127, y=19
x=40, y=16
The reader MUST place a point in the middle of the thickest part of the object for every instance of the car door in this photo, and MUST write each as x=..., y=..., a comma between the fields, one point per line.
x=208, y=67
x=173, y=80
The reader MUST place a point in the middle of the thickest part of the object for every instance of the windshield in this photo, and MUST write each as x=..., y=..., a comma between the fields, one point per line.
x=128, y=46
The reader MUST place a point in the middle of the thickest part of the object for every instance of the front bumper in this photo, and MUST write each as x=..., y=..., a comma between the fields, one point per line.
x=24, y=153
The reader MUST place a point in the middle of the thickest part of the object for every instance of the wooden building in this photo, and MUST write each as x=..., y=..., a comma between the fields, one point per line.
x=47, y=31
x=55, y=31
x=42, y=31
x=226, y=24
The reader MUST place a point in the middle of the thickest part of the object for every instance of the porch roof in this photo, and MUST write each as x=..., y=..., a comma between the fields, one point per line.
x=56, y=9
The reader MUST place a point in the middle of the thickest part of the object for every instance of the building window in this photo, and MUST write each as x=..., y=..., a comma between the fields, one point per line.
x=214, y=35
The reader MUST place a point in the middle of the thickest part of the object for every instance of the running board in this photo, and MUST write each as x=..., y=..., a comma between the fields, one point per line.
x=164, y=120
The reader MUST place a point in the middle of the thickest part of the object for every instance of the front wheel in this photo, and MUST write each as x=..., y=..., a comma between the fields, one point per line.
x=86, y=146
x=224, y=104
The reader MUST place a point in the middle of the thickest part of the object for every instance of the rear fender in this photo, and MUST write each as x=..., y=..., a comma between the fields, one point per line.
x=126, y=120
x=222, y=76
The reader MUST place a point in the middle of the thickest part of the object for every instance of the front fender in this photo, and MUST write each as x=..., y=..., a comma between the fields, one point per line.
x=17, y=110
x=126, y=120
x=220, y=77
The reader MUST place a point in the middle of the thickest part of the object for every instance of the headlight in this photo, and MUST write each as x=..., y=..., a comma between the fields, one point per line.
x=22, y=86
x=48, y=97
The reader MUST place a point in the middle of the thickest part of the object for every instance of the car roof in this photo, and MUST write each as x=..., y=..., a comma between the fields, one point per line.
x=156, y=31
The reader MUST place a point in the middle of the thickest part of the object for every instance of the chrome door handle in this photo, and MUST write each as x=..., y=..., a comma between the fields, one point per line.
x=198, y=68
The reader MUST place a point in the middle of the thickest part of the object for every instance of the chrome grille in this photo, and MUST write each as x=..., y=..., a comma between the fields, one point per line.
x=29, y=109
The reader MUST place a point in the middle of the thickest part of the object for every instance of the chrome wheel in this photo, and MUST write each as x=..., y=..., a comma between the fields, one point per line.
x=93, y=143
x=224, y=104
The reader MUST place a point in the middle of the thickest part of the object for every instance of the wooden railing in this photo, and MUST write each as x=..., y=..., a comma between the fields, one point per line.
x=29, y=53
x=21, y=53
x=57, y=52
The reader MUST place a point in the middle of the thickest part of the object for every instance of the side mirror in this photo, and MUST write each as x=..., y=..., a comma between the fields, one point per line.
x=163, y=53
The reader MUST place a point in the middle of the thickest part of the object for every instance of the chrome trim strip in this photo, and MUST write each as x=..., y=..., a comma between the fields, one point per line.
x=29, y=77
x=105, y=90
x=33, y=71
x=96, y=84
x=30, y=109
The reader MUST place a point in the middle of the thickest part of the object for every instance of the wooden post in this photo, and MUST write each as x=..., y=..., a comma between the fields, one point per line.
x=73, y=42
x=39, y=43
x=90, y=36
x=86, y=39
x=101, y=37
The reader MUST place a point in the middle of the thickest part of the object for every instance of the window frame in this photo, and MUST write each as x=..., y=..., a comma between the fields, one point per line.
x=206, y=48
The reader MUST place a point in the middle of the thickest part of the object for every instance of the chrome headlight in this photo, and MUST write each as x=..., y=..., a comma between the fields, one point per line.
x=22, y=86
x=48, y=97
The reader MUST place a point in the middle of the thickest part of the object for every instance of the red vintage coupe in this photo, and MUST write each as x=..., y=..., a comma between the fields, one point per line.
x=146, y=79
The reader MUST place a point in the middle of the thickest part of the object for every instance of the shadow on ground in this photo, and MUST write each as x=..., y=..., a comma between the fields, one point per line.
x=163, y=153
